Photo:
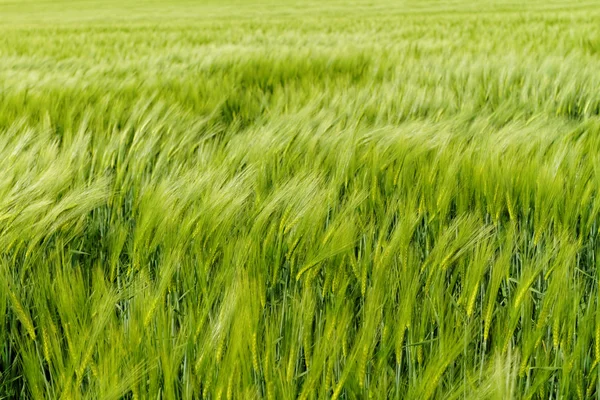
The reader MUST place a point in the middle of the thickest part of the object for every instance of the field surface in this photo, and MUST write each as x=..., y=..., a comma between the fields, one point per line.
x=299, y=199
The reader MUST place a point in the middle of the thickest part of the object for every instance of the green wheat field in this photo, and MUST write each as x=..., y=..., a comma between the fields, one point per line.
x=335, y=199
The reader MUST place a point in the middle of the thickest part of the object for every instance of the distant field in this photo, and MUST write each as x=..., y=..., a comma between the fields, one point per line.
x=284, y=199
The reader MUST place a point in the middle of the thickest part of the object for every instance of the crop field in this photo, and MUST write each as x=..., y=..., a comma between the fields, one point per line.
x=329, y=199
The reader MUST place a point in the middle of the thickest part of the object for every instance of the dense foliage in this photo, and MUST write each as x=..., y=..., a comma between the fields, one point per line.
x=290, y=199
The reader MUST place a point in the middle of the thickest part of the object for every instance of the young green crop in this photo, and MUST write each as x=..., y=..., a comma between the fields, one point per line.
x=299, y=200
